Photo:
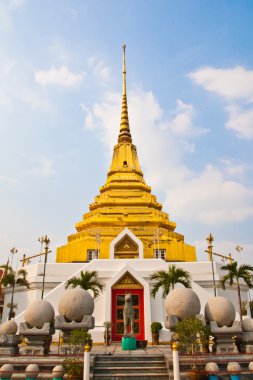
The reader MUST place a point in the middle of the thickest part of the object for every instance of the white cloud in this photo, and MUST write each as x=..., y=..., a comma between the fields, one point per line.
x=6, y=71
x=210, y=199
x=34, y=100
x=7, y=67
x=45, y=168
x=182, y=124
x=235, y=169
x=225, y=247
x=16, y=3
x=240, y=121
x=236, y=87
x=103, y=72
x=59, y=51
x=15, y=87
x=9, y=180
x=72, y=13
x=207, y=197
x=6, y=7
x=62, y=77
x=105, y=116
x=235, y=83
x=4, y=99
x=99, y=68
x=5, y=19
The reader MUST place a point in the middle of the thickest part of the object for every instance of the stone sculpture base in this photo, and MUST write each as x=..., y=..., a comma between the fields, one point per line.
x=246, y=342
x=128, y=343
x=88, y=322
x=38, y=340
x=9, y=344
x=39, y=345
x=224, y=337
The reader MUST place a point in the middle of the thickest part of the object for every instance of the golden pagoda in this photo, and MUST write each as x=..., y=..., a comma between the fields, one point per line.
x=125, y=203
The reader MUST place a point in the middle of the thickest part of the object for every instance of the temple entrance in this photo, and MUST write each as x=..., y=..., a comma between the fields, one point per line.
x=127, y=284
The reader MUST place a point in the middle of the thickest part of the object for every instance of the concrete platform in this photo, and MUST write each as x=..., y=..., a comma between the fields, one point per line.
x=46, y=363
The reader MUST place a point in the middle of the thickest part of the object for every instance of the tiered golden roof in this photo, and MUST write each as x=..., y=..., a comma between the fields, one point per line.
x=125, y=201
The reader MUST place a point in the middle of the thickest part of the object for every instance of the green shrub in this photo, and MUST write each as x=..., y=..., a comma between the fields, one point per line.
x=156, y=327
x=190, y=333
x=79, y=338
x=251, y=308
x=73, y=366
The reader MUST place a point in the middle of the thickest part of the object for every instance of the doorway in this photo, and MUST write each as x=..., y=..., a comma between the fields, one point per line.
x=118, y=302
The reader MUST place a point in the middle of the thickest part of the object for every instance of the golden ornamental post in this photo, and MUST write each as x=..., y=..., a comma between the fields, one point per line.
x=44, y=239
x=210, y=240
x=13, y=251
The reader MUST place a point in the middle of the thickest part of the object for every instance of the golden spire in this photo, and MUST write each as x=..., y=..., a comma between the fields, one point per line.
x=124, y=135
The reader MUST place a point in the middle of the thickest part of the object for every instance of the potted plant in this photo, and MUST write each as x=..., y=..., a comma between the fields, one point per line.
x=107, y=332
x=74, y=368
x=155, y=329
x=198, y=373
x=78, y=339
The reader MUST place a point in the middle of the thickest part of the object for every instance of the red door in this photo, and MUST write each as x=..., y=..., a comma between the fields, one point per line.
x=118, y=302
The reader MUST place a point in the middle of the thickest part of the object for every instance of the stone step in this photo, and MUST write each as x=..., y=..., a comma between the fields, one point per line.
x=123, y=367
x=129, y=357
x=41, y=376
x=131, y=363
x=129, y=370
x=132, y=376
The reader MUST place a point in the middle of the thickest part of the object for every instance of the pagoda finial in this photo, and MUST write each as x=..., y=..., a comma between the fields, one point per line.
x=124, y=69
x=124, y=135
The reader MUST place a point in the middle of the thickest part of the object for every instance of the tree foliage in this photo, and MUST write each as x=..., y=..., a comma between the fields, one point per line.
x=168, y=279
x=190, y=333
x=87, y=281
x=156, y=327
x=11, y=277
x=79, y=338
x=251, y=308
x=73, y=366
x=233, y=276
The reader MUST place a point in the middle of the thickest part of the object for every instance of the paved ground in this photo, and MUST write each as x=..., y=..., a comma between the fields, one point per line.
x=117, y=349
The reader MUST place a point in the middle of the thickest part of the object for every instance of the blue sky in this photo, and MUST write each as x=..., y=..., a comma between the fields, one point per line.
x=190, y=93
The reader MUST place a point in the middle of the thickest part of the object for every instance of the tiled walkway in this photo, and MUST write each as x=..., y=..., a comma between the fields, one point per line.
x=115, y=349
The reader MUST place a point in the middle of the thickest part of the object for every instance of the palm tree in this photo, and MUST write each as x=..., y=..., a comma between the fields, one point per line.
x=234, y=273
x=11, y=278
x=168, y=279
x=87, y=280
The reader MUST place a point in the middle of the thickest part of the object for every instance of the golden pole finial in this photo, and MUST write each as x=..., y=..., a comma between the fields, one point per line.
x=13, y=251
x=124, y=135
x=124, y=68
x=210, y=240
x=175, y=346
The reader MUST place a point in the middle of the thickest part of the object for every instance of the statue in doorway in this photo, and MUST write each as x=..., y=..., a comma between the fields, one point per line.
x=128, y=314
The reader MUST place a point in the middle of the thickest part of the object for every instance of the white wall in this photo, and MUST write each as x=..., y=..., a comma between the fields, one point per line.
x=109, y=271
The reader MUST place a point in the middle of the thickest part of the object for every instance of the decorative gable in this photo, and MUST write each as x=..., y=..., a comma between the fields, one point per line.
x=127, y=281
x=126, y=244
